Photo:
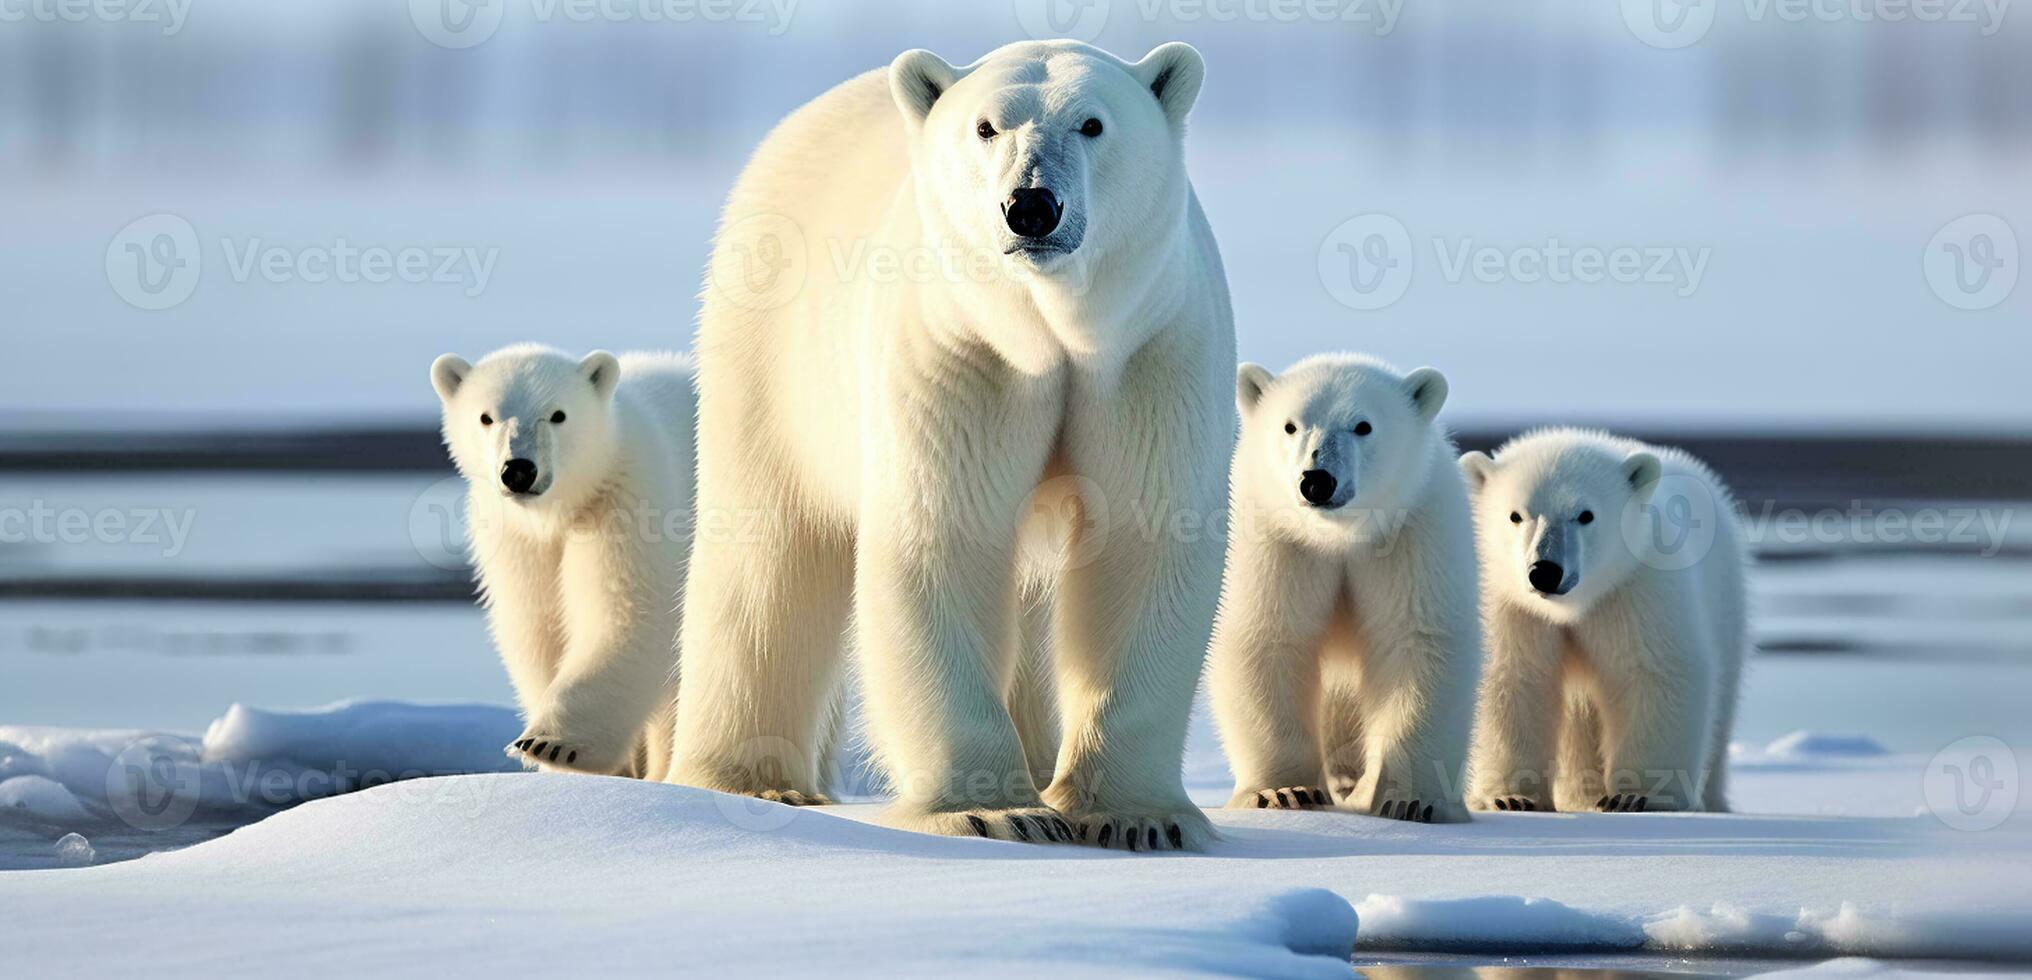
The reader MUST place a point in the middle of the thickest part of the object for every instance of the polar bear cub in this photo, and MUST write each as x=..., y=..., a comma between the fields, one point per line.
x=580, y=482
x=1617, y=625
x=1347, y=649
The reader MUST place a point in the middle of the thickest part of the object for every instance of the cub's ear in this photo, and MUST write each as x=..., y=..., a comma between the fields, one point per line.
x=1251, y=380
x=1427, y=389
x=1477, y=467
x=1173, y=73
x=603, y=370
x=916, y=79
x=1642, y=470
x=447, y=373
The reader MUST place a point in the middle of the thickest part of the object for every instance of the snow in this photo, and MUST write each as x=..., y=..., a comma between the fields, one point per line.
x=510, y=871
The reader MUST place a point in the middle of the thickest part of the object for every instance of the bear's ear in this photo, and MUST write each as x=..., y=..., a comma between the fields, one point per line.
x=447, y=373
x=603, y=370
x=1642, y=470
x=916, y=79
x=1477, y=467
x=1251, y=380
x=1172, y=72
x=1427, y=389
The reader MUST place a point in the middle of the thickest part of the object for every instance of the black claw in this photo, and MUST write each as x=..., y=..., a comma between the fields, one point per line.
x=1064, y=830
x=1177, y=837
x=1426, y=817
x=980, y=826
x=1602, y=804
x=1502, y=804
x=573, y=757
x=1284, y=799
x=1084, y=827
x=1022, y=832
x=554, y=750
x=1639, y=807
x=1319, y=796
x=522, y=746
x=1616, y=802
x=1153, y=838
x=1262, y=800
x=1107, y=834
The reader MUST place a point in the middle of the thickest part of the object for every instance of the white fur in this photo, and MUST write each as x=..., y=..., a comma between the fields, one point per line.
x=1347, y=648
x=1627, y=683
x=581, y=581
x=874, y=441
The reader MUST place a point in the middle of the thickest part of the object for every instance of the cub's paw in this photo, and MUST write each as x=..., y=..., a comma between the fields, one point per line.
x=1420, y=810
x=1622, y=803
x=547, y=750
x=1282, y=798
x=1026, y=825
x=791, y=797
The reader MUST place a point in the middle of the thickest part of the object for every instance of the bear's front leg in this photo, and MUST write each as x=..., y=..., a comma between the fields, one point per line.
x=942, y=495
x=1517, y=725
x=1263, y=671
x=1421, y=659
x=1136, y=609
x=1656, y=686
x=620, y=625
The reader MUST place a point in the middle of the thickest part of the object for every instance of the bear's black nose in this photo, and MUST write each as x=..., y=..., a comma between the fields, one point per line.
x=1547, y=576
x=518, y=475
x=1317, y=487
x=1032, y=212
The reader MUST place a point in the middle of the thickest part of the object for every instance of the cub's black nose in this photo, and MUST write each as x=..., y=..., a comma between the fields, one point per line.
x=518, y=475
x=1317, y=487
x=1032, y=212
x=1546, y=577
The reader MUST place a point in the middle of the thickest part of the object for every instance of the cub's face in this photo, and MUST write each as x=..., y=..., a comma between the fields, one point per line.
x=1555, y=523
x=1047, y=155
x=1336, y=449
x=533, y=426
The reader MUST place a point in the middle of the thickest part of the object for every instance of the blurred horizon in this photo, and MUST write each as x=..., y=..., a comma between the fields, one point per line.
x=1789, y=182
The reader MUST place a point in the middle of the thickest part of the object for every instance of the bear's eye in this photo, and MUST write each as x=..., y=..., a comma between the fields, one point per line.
x=1586, y=517
x=984, y=130
x=1516, y=518
x=557, y=418
x=1363, y=428
x=1289, y=428
x=1091, y=128
x=486, y=419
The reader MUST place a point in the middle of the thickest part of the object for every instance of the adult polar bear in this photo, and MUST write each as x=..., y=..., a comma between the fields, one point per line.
x=939, y=294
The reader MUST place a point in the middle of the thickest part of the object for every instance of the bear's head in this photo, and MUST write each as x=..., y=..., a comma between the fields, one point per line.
x=532, y=424
x=1337, y=448
x=1553, y=513
x=1047, y=150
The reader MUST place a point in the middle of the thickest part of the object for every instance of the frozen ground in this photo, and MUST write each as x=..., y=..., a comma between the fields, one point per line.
x=1834, y=852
